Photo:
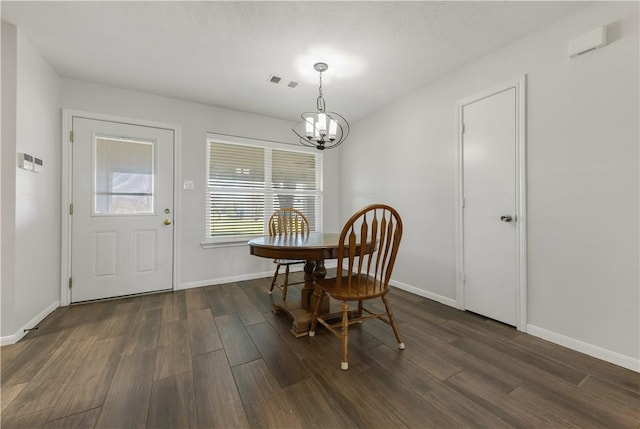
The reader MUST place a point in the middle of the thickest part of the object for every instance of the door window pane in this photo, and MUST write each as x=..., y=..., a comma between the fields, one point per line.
x=124, y=177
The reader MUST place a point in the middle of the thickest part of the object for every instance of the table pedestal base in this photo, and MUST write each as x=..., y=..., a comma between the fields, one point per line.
x=302, y=312
x=301, y=317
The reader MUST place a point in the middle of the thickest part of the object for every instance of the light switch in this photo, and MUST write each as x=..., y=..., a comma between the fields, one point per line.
x=37, y=165
x=188, y=185
x=25, y=161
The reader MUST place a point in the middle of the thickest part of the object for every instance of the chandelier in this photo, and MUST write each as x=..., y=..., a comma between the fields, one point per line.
x=321, y=129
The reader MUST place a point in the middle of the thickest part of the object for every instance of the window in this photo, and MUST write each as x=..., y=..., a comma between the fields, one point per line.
x=247, y=182
x=124, y=173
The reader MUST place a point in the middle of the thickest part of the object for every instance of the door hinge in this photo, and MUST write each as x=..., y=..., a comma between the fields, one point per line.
x=463, y=128
x=461, y=276
x=70, y=282
x=464, y=202
x=71, y=136
x=71, y=209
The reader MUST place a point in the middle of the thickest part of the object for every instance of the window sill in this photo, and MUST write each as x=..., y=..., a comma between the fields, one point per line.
x=218, y=244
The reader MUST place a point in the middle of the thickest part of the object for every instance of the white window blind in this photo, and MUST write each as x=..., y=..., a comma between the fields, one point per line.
x=247, y=183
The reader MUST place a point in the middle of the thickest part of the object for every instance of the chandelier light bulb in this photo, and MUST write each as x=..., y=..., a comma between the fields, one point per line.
x=333, y=127
x=322, y=123
x=309, y=126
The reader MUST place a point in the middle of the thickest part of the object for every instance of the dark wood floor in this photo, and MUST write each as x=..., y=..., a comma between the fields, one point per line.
x=218, y=357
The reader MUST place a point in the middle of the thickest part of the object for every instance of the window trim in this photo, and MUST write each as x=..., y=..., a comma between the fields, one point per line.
x=240, y=240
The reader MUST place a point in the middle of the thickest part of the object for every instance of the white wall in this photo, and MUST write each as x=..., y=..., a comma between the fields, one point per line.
x=583, y=177
x=34, y=291
x=200, y=266
x=8, y=176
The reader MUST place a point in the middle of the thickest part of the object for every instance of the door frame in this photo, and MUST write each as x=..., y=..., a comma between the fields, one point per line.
x=521, y=197
x=67, y=190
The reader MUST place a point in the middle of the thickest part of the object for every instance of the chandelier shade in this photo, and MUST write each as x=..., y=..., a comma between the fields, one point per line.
x=321, y=129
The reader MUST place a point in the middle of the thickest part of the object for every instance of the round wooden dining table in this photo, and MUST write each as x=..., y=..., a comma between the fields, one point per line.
x=314, y=248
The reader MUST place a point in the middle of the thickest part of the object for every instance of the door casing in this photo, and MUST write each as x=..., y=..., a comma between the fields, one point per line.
x=521, y=213
x=67, y=183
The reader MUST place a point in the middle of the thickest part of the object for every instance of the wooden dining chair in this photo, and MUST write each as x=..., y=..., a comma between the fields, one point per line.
x=286, y=221
x=368, y=245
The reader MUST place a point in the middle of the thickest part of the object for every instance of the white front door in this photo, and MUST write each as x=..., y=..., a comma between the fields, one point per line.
x=489, y=165
x=122, y=222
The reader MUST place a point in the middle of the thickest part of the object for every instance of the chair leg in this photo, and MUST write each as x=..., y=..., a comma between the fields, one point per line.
x=316, y=311
x=286, y=283
x=359, y=314
x=392, y=320
x=344, y=338
x=275, y=277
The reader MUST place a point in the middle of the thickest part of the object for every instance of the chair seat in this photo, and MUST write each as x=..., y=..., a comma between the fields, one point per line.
x=289, y=261
x=362, y=287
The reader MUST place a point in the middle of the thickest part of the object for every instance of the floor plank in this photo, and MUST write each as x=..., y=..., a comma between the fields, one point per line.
x=88, y=387
x=86, y=419
x=9, y=393
x=44, y=389
x=145, y=332
x=203, y=333
x=281, y=360
x=314, y=407
x=26, y=364
x=245, y=309
x=266, y=404
x=175, y=307
x=127, y=402
x=236, y=340
x=219, y=301
x=174, y=350
x=218, y=403
x=195, y=300
x=172, y=403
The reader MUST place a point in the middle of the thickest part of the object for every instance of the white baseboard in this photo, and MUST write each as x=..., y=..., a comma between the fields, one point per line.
x=426, y=294
x=223, y=280
x=252, y=276
x=12, y=339
x=586, y=348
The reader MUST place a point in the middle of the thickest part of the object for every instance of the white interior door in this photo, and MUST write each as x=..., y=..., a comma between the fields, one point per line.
x=122, y=223
x=489, y=163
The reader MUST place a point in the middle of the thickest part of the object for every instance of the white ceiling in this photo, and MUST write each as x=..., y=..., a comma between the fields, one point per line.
x=223, y=53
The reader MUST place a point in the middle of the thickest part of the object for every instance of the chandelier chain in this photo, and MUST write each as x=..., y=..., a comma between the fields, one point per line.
x=320, y=101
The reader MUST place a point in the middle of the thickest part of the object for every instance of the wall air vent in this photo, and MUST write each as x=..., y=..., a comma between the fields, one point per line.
x=588, y=42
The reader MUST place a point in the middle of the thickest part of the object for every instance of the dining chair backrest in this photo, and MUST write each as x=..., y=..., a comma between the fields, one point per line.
x=287, y=221
x=367, y=251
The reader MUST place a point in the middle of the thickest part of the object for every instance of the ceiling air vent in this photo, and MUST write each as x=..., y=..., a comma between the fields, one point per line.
x=280, y=81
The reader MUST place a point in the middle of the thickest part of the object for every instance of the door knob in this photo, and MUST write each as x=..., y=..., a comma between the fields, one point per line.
x=167, y=222
x=506, y=218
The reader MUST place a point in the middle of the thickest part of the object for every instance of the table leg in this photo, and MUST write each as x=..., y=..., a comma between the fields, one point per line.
x=309, y=284
x=319, y=272
x=303, y=311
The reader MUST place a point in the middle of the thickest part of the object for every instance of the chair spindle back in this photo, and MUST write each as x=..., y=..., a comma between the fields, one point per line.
x=369, y=243
x=286, y=221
